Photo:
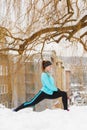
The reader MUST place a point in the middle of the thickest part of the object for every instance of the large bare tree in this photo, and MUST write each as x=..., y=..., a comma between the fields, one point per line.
x=25, y=24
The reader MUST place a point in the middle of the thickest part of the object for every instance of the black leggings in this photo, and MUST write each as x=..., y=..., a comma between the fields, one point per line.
x=41, y=96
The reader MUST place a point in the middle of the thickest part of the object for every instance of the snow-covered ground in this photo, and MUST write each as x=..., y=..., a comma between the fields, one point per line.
x=57, y=119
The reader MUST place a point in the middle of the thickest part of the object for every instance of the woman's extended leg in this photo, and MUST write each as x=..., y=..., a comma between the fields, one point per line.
x=37, y=98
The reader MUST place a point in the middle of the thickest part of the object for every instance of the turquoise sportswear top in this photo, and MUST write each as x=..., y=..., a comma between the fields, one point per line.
x=48, y=85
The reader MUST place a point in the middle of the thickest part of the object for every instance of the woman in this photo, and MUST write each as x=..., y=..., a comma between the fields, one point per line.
x=48, y=90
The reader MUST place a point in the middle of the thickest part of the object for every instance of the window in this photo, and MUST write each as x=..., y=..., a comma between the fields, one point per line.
x=4, y=104
x=6, y=70
x=1, y=70
x=3, y=89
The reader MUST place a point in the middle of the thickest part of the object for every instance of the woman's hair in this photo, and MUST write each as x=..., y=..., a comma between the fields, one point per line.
x=45, y=64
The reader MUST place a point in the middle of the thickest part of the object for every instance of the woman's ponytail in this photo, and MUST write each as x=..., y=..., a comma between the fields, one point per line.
x=43, y=65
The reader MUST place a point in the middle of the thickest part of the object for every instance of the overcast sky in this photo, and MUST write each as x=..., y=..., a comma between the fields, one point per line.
x=67, y=50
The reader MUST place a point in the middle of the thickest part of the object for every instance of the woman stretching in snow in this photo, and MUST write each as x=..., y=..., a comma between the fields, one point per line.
x=48, y=90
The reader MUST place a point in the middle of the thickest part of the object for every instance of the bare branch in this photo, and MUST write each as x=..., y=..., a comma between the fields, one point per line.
x=26, y=25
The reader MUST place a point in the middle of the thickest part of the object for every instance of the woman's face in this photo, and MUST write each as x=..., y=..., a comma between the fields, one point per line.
x=48, y=68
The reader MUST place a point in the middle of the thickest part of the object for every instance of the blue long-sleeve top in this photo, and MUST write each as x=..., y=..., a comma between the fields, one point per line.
x=48, y=84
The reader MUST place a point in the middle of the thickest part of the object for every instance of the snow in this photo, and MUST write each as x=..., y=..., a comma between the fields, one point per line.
x=56, y=119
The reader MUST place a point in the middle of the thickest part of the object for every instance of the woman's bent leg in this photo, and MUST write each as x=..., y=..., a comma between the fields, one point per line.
x=64, y=100
x=62, y=94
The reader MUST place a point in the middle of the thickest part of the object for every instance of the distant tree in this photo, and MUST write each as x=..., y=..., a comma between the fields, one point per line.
x=77, y=73
x=25, y=24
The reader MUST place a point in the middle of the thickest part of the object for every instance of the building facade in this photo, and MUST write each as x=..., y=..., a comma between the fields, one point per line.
x=21, y=79
x=5, y=81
